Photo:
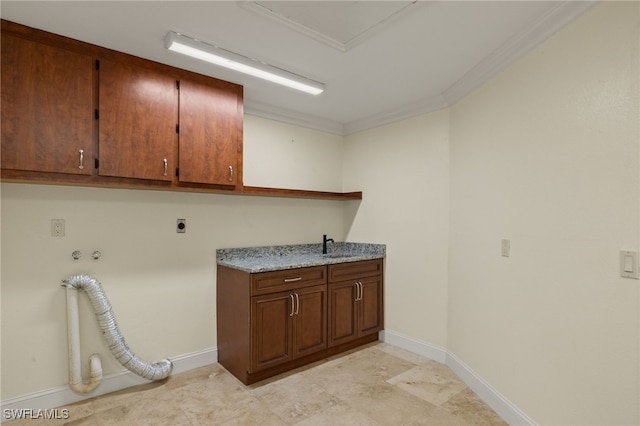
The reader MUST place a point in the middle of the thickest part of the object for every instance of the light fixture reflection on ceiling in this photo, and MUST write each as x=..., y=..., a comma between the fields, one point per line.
x=224, y=58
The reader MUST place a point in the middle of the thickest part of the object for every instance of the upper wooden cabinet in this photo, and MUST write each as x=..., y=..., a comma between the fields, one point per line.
x=47, y=108
x=155, y=126
x=138, y=117
x=127, y=123
x=69, y=107
x=210, y=134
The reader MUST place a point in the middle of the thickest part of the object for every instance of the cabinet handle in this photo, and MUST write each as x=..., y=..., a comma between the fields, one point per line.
x=358, y=291
x=230, y=173
x=297, y=304
x=292, y=303
x=166, y=167
x=81, y=164
x=292, y=280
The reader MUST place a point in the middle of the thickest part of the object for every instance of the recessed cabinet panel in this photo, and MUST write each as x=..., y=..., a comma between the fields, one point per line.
x=370, y=305
x=138, y=118
x=47, y=108
x=272, y=337
x=355, y=304
x=210, y=132
x=342, y=312
x=310, y=320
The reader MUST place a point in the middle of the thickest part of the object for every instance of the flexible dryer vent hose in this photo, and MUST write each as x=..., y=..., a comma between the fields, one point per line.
x=112, y=336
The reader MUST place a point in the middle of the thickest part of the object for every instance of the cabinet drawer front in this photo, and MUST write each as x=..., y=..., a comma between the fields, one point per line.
x=269, y=282
x=355, y=270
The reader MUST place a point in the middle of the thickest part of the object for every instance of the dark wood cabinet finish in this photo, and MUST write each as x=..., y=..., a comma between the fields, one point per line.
x=288, y=279
x=272, y=322
x=52, y=92
x=288, y=325
x=210, y=134
x=138, y=118
x=47, y=108
x=271, y=330
x=355, y=300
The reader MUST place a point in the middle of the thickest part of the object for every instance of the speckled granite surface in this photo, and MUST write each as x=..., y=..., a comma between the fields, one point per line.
x=275, y=258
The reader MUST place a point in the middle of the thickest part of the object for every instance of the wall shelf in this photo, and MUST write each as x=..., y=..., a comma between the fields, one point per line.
x=17, y=176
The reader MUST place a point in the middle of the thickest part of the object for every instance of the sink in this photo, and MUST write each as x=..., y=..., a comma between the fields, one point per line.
x=337, y=255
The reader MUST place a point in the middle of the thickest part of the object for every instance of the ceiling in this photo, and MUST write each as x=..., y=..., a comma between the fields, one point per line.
x=381, y=61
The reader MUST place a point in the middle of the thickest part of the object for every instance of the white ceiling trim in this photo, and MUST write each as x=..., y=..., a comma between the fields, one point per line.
x=516, y=47
x=292, y=117
x=421, y=107
x=324, y=38
x=502, y=57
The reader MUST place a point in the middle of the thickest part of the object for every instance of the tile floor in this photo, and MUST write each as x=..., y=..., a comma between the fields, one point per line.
x=378, y=384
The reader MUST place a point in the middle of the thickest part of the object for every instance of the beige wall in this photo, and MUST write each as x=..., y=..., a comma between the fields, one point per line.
x=403, y=171
x=546, y=155
x=161, y=284
x=279, y=155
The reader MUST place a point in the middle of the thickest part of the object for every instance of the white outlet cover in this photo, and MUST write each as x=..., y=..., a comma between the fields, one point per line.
x=57, y=227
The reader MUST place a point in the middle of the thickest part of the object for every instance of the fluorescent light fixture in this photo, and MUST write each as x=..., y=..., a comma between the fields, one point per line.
x=225, y=58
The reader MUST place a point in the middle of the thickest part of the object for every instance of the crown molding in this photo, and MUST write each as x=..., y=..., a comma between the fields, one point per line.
x=514, y=48
x=292, y=117
x=422, y=106
x=378, y=27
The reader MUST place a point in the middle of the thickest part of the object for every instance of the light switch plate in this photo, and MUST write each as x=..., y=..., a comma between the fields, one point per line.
x=629, y=264
x=505, y=247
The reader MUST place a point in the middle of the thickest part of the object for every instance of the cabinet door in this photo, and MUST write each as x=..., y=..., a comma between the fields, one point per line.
x=271, y=329
x=370, y=306
x=310, y=320
x=47, y=108
x=342, y=312
x=210, y=131
x=138, y=118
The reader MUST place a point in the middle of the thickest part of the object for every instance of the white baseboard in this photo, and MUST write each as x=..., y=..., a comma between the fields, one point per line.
x=63, y=395
x=508, y=411
x=428, y=350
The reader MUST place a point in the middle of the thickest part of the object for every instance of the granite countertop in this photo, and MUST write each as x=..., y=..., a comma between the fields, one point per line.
x=275, y=258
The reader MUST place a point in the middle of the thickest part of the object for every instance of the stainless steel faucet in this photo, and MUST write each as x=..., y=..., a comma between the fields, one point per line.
x=326, y=240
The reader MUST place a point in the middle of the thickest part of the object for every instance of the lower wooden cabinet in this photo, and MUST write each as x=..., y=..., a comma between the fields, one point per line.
x=272, y=322
x=288, y=325
x=355, y=304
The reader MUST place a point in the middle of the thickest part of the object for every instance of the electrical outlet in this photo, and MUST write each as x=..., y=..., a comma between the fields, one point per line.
x=181, y=226
x=57, y=227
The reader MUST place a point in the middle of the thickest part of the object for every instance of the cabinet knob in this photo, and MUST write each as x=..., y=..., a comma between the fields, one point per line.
x=230, y=173
x=166, y=166
x=81, y=159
